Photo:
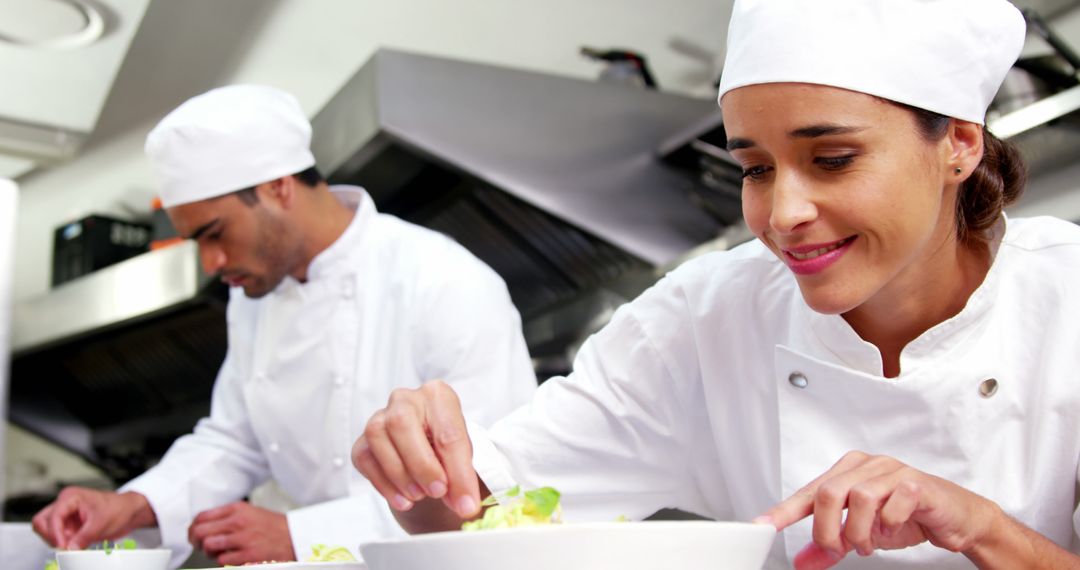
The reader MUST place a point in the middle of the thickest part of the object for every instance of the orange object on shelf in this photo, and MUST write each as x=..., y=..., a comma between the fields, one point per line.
x=164, y=243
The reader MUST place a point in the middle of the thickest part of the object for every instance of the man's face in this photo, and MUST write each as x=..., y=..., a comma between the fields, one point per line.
x=245, y=241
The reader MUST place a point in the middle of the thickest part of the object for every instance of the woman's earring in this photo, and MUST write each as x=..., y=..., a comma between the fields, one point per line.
x=958, y=170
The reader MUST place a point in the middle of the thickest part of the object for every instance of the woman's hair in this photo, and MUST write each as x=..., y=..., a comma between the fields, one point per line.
x=996, y=183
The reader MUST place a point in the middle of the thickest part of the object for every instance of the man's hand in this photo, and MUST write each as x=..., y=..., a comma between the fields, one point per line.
x=239, y=533
x=80, y=517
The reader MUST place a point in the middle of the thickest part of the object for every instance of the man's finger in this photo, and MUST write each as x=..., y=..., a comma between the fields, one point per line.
x=237, y=558
x=65, y=509
x=198, y=533
x=215, y=513
x=40, y=523
x=88, y=533
x=218, y=544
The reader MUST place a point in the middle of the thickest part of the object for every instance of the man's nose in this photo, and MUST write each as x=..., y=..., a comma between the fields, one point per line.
x=213, y=259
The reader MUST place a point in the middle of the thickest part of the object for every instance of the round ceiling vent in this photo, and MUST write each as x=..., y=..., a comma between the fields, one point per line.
x=55, y=24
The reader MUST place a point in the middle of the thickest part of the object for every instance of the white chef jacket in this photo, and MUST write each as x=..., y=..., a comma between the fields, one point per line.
x=719, y=391
x=387, y=305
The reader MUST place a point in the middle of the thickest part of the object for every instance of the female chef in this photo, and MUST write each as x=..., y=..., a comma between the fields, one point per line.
x=890, y=346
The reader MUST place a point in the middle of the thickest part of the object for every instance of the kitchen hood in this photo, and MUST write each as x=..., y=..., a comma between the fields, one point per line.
x=559, y=184
x=116, y=364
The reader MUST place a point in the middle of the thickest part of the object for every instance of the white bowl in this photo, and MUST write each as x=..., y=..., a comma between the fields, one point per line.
x=684, y=545
x=146, y=559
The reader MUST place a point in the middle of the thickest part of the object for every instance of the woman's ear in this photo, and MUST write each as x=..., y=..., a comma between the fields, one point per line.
x=964, y=148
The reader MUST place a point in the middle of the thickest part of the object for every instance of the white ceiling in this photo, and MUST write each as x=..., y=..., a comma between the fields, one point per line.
x=63, y=56
x=183, y=48
x=310, y=47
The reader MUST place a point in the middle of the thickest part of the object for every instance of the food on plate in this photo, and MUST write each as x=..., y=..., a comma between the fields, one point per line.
x=324, y=553
x=516, y=509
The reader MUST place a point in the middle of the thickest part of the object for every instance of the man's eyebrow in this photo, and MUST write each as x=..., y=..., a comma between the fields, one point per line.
x=204, y=228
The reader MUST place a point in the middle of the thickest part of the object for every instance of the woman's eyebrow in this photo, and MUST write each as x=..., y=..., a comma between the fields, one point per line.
x=825, y=129
x=810, y=132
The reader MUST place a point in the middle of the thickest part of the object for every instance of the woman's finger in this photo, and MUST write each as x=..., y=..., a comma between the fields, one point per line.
x=365, y=461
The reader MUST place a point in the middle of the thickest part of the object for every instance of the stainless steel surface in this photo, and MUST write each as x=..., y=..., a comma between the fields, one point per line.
x=8, y=207
x=138, y=287
x=582, y=151
x=116, y=364
x=1036, y=114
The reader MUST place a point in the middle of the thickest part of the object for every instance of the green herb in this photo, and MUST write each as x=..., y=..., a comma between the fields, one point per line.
x=535, y=507
x=324, y=553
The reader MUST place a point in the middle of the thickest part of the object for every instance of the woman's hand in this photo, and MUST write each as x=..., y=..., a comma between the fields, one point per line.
x=418, y=448
x=889, y=506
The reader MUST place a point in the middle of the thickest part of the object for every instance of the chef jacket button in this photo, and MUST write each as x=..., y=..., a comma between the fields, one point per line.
x=988, y=387
x=339, y=381
x=339, y=462
x=260, y=377
x=347, y=288
x=274, y=447
x=798, y=380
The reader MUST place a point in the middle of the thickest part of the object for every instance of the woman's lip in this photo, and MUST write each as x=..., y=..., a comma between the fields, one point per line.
x=819, y=263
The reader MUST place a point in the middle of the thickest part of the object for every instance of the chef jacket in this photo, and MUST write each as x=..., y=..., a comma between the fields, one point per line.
x=720, y=392
x=388, y=305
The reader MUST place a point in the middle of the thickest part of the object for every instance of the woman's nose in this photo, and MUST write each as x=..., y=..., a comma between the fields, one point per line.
x=792, y=205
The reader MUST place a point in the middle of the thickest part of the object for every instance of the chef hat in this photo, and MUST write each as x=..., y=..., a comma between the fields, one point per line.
x=945, y=56
x=228, y=139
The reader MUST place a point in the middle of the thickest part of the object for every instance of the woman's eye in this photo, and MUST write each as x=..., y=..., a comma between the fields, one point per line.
x=755, y=173
x=834, y=162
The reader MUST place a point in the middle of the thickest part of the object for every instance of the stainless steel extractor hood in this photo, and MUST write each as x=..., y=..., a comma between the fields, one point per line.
x=116, y=364
x=558, y=183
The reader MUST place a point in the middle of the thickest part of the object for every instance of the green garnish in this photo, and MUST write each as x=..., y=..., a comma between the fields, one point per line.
x=52, y=565
x=535, y=507
x=126, y=544
x=324, y=553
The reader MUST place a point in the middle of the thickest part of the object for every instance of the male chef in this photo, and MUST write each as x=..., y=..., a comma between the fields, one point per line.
x=333, y=306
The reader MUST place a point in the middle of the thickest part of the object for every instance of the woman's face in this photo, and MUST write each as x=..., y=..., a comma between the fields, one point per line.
x=841, y=187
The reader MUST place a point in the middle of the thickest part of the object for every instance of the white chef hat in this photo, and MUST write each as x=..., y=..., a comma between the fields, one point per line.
x=228, y=139
x=945, y=56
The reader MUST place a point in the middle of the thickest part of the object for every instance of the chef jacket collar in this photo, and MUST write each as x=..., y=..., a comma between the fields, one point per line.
x=845, y=344
x=330, y=262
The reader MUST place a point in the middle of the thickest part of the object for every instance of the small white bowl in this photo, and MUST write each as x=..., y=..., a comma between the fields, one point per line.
x=144, y=559
x=683, y=545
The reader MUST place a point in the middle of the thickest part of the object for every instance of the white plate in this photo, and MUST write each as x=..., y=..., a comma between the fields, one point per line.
x=146, y=559
x=684, y=545
x=305, y=566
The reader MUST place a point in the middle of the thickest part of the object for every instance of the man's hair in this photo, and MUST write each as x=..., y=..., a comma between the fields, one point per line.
x=310, y=177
